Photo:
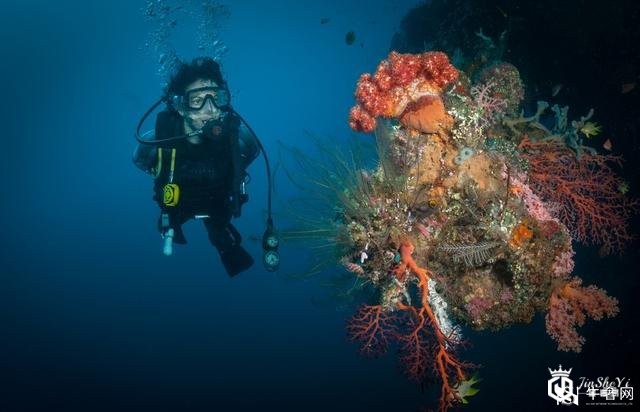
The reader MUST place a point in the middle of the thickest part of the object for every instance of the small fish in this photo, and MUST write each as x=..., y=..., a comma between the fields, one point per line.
x=325, y=20
x=590, y=129
x=607, y=145
x=465, y=389
x=556, y=89
x=350, y=37
x=627, y=87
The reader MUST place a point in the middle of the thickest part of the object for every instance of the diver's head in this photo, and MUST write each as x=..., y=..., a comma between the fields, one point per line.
x=198, y=92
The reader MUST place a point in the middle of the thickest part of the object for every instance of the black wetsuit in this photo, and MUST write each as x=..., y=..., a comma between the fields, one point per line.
x=205, y=174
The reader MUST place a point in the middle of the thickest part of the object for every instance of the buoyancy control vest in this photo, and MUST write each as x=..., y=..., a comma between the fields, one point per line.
x=190, y=177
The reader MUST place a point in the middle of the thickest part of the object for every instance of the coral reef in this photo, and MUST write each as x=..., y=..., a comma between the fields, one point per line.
x=469, y=216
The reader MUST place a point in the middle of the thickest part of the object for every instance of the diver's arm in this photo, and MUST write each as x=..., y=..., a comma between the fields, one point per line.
x=145, y=158
x=249, y=148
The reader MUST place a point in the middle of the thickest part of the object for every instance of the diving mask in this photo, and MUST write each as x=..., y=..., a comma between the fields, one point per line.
x=196, y=99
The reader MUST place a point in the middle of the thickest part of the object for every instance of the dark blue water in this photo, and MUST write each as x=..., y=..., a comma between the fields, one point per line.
x=94, y=318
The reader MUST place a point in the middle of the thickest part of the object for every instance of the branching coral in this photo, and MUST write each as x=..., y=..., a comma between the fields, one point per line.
x=424, y=345
x=584, y=191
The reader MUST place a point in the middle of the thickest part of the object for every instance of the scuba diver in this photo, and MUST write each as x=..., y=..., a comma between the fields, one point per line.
x=198, y=156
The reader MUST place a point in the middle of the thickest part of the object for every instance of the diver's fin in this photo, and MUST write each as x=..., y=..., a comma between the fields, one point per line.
x=236, y=259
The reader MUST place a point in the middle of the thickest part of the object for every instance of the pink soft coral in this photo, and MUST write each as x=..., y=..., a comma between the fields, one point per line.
x=570, y=304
